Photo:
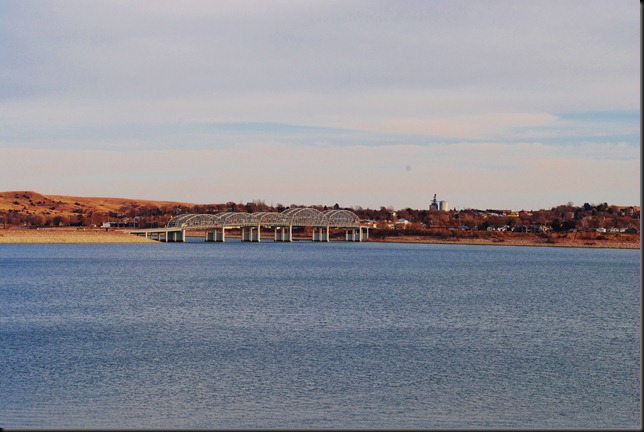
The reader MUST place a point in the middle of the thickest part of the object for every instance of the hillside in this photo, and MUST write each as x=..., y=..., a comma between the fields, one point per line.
x=50, y=206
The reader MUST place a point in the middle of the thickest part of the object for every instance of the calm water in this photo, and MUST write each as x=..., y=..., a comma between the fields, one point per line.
x=304, y=335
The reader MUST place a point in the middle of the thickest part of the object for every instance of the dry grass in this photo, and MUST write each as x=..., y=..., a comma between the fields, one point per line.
x=59, y=235
x=61, y=205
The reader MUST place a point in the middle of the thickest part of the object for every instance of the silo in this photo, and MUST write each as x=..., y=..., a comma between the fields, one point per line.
x=444, y=206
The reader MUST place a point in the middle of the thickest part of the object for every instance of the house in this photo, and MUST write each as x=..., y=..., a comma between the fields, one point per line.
x=539, y=229
x=403, y=221
x=369, y=222
x=124, y=224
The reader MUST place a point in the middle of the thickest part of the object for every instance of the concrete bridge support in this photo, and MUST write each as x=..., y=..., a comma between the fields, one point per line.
x=249, y=234
x=162, y=235
x=356, y=234
x=216, y=235
x=174, y=236
x=284, y=234
x=166, y=236
x=321, y=234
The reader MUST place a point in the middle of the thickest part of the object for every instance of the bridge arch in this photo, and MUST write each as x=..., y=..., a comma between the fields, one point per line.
x=191, y=220
x=341, y=218
x=296, y=216
x=272, y=219
x=305, y=216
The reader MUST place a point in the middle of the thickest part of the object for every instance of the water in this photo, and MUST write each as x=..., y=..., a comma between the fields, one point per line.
x=314, y=335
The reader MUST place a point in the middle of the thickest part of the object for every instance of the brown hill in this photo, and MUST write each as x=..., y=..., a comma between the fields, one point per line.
x=34, y=203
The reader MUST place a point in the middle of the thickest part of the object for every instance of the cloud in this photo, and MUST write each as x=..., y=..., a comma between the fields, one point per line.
x=466, y=126
x=487, y=175
x=165, y=50
x=188, y=98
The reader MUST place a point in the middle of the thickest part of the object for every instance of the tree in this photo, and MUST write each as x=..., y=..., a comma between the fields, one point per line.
x=37, y=220
x=567, y=225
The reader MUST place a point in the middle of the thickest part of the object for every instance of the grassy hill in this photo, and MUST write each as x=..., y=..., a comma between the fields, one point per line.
x=34, y=203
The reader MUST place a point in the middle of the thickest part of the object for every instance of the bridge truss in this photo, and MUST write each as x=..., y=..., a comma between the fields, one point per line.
x=297, y=216
x=251, y=224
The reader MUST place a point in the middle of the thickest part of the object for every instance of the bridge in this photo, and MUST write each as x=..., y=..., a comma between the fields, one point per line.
x=251, y=225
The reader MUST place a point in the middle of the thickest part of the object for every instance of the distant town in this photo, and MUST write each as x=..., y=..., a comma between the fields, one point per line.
x=30, y=210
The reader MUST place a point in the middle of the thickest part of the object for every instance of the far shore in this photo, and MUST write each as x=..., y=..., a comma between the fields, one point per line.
x=528, y=241
x=99, y=235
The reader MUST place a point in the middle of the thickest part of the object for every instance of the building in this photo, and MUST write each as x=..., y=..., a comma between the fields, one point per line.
x=434, y=204
x=442, y=205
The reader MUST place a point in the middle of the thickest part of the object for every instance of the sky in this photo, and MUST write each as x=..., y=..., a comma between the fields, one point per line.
x=487, y=104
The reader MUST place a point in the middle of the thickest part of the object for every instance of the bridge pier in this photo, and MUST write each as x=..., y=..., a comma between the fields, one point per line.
x=216, y=235
x=356, y=235
x=248, y=234
x=284, y=234
x=163, y=235
x=175, y=236
x=321, y=234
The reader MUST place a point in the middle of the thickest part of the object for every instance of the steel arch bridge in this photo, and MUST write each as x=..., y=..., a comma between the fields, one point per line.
x=251, y=224
x=297, y=216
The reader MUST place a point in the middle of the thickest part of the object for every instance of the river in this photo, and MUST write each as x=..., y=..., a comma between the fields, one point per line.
x=319, y=335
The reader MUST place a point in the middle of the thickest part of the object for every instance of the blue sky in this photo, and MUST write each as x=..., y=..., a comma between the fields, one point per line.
x=489, y=104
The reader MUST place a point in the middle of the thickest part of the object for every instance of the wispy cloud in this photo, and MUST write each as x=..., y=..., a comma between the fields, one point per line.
x=467, y=93
x=527, y=176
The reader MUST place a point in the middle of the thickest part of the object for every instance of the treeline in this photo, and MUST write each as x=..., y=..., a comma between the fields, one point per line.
x=561, y=218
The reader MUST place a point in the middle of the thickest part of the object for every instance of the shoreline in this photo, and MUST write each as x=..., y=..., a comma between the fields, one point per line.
x=67, y=235
x=88, y=235
x=569, y=243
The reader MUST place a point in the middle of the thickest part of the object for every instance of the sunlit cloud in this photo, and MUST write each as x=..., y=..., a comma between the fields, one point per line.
x=468, y=126
x=401, y=175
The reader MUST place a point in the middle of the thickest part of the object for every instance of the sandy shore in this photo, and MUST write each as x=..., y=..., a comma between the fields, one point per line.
x=55, y=235
x=80, y=235
x=532, y=241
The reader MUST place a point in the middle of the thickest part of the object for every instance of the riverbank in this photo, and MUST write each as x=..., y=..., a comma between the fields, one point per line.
x=65, y=235
x=87, y=235
x=630, y=242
